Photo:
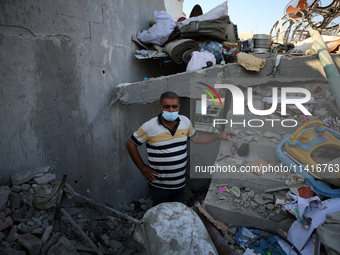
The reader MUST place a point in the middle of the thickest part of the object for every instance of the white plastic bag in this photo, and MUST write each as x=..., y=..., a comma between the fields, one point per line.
x=159, y=32
x=215, y=13
x=199, y=59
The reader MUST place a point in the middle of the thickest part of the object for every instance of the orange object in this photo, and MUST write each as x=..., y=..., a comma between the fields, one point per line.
x=305, y=192
x=293, y=11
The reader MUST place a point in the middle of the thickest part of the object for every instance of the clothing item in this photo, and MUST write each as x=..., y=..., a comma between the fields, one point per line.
x=167, y=149
x=160, y=195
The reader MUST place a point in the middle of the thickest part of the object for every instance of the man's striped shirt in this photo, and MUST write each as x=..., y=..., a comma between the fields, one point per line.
x=167, y=150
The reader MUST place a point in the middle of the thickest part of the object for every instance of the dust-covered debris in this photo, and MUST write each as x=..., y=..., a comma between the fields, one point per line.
x=24, y=229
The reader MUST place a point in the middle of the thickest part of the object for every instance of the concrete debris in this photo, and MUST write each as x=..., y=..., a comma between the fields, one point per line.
x=235, y=191
x=253, y=203
x=270, y=206
x=4, y=195
x=115, y=245
x=64, y=246
x=271, y=135
x=24, y=229
x=258, y=199
x=45, y=179
x=21, y=177
x=31, y=243
x=321, y=113
x=6, y=223
x=249, y=138
x=257, y=138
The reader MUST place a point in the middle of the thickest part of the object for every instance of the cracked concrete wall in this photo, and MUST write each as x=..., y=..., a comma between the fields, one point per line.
x=60, y=62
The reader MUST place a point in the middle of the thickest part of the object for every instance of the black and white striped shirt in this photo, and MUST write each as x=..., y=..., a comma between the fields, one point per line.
x=167, y=150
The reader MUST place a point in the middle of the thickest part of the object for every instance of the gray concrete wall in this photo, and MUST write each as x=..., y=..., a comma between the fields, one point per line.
x=60, y=62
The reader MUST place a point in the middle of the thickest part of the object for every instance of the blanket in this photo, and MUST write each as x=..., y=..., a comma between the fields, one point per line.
x=180, y=50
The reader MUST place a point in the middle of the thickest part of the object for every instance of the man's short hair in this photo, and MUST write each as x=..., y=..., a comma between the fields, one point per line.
x=168, y=94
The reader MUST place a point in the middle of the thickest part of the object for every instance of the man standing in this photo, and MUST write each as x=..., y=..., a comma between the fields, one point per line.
x=166, y=141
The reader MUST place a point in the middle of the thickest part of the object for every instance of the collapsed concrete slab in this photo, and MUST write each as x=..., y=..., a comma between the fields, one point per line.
x=251, y=206
x=291, y=70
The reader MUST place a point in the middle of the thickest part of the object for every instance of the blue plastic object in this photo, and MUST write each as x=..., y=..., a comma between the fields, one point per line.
x=216, y=49
x=320, y=187
x=244, y=236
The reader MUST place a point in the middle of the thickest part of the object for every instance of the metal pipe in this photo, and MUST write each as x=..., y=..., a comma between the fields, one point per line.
x=327, y=64
x=221, y=245
x=91, y=201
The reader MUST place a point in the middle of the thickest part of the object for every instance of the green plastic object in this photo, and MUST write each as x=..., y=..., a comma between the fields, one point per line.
x=327, y=64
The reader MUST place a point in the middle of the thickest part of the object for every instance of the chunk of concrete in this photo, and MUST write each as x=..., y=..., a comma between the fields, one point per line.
x=46, y=234
x=23, y=228
x=235, y=191
x=5, y=191
x=271, y=135
x=45, y=179
x=25, y=187
x=270, y=206
x=11, y=251
x=16, y=188
x=12, y=235
x=52, y=241
x=115, y=245
x=6, y=223
x=258, y=199
x=16, y=201
x=31, y=243
x=64, y=246
x=21, y=177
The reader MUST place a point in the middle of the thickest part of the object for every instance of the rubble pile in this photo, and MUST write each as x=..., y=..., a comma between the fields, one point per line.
x=25, y=229
x=253, y=202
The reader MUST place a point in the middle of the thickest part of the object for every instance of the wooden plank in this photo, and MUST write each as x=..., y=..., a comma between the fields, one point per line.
x=81, y=232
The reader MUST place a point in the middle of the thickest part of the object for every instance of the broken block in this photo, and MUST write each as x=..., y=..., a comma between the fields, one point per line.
x=5, y=191
x=45, y=179
x=31, y=243
x=6, y=223
x=64, y=246
x=21, y=177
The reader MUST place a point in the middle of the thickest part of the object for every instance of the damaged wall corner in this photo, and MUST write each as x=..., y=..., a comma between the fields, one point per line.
x=60, y=64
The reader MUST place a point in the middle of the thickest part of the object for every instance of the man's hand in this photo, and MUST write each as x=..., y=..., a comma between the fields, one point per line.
x=148, y=173
x=209, y=138
x=226, y=135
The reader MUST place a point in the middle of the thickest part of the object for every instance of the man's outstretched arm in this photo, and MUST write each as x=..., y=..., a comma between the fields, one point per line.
x=209, y=138
x=146, y=171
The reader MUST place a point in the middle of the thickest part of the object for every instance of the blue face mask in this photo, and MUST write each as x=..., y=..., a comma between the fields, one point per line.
x=170, y=116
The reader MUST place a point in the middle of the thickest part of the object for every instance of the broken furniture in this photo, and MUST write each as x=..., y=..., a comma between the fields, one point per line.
x=301, y=15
